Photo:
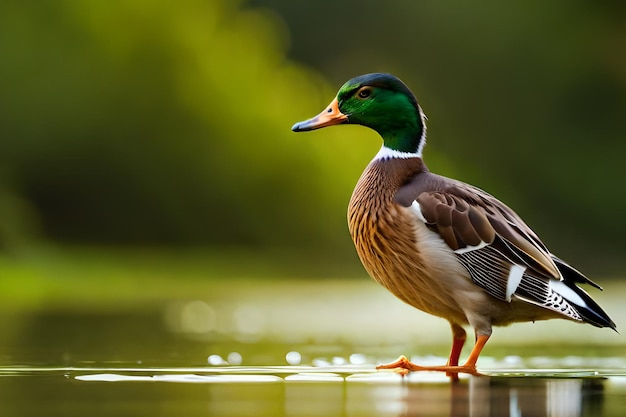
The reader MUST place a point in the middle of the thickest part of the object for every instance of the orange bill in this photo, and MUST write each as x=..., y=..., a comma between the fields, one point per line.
x=329, y=117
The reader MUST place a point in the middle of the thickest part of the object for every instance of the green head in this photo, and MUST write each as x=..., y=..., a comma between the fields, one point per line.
x=381, y=102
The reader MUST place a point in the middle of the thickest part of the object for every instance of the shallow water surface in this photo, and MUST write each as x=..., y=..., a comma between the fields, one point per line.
x=306, y=391
x=294, y=349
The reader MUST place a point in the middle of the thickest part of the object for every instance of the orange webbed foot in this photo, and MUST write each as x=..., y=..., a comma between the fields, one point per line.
x=403, y=366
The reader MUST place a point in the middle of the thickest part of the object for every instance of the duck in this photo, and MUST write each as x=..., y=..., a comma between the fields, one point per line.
x=440, y=245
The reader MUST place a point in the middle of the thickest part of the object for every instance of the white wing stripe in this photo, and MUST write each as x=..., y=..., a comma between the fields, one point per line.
x=515, y=277
x=471, y=248
x=567, y=293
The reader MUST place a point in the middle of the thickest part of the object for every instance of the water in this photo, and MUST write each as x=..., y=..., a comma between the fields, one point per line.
x=294, y=350
x=304, y=391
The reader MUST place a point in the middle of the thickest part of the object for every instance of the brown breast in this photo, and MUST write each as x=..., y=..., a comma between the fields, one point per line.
x=397, y=249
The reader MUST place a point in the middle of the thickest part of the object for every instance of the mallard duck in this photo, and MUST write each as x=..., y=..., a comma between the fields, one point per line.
x=443, y=246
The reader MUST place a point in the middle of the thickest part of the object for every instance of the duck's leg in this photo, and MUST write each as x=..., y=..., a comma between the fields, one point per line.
x=458, y=341
x=404, y=366
x=470, y=363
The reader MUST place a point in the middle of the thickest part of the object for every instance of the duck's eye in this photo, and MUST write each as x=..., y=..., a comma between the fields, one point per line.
x=364, y=92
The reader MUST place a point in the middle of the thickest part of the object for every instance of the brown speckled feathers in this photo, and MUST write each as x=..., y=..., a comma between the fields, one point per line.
x=387, y=241
x=499, y=252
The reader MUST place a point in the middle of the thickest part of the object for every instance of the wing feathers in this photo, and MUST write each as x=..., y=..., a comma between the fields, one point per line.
x=488, y=269
x=465, y=227
x=571, y=274
x=501, y=253
x=481, y=225
x=465, y=216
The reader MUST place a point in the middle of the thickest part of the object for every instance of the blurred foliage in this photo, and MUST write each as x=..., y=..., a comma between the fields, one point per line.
x=160, y=123
x=154, y=123
x=526, y=99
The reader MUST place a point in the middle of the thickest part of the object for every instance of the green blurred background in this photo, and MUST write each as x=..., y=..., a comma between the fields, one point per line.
x=155, y=136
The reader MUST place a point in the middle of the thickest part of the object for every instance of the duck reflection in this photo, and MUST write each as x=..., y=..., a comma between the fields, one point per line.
x=480, y=396
x=550, y=397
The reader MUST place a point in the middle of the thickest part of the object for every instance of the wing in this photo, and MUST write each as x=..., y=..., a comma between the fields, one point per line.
x=469, y=220
x=501, y=253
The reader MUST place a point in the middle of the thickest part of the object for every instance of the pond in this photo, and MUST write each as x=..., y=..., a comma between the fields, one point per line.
x=304, y=391
x=290, y=391
x=288, y=348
